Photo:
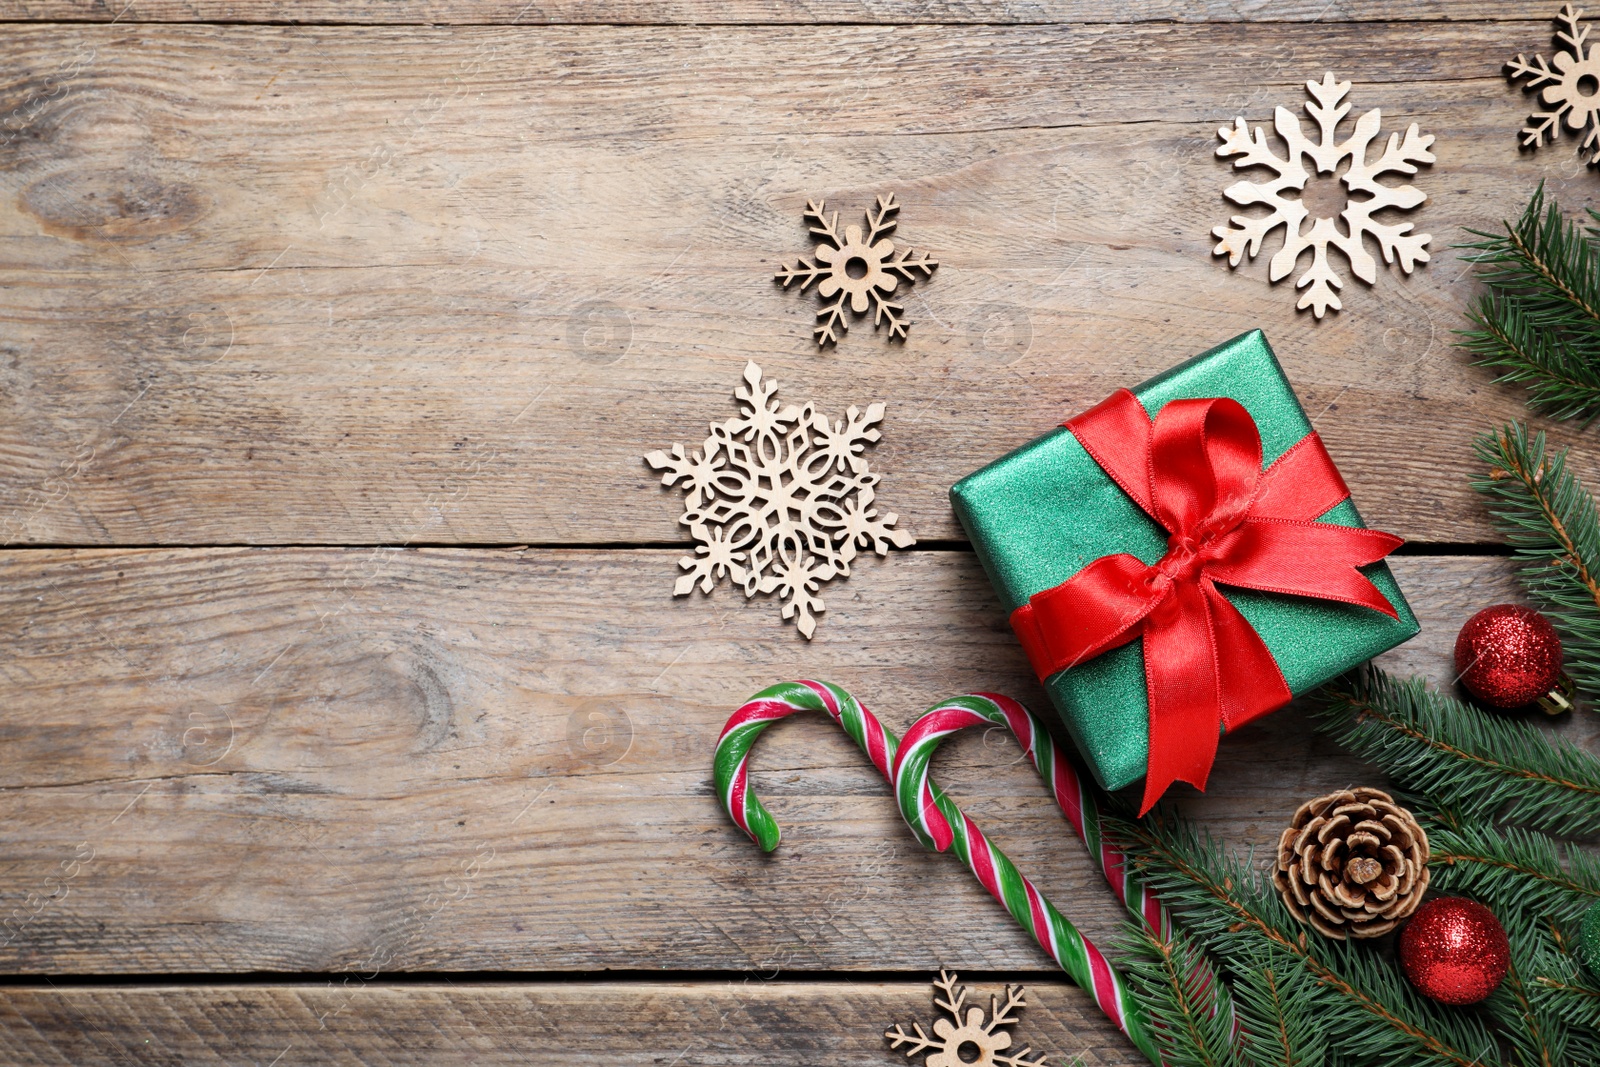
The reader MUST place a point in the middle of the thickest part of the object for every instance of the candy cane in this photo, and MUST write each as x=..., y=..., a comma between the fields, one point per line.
x=939, y=824
x=1076, y=799
x=1074, y=953
x=929, y=813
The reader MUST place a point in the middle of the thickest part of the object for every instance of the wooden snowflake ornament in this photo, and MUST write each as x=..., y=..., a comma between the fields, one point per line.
x=859, y=270
x=1570, y=83
x=780, y=499
x=1365, y=195
x=965, y=1039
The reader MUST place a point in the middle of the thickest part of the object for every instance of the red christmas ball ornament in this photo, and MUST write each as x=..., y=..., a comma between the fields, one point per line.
x=1509, y=656
x=1454, y=950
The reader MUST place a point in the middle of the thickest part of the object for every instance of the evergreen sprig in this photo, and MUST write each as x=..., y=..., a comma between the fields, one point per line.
x=1276, y=1030
x=1515, y=872
x=1537, y=1037
x=1551, y=522
x=1566, y=991
x=1359, y=1003
x=1171, y=976
x=1491, y=791
x=1539, y=322
x=1470, y=766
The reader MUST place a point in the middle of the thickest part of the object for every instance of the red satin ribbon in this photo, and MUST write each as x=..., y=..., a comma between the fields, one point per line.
x=1197, y=471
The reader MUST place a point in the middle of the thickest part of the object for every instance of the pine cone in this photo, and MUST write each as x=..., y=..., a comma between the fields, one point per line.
x=1352, y=863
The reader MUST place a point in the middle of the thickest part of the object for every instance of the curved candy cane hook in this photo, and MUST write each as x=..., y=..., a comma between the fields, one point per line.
x=762, y=710
x=1077, y=799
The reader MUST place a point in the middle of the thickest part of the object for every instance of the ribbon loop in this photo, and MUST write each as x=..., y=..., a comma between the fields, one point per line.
x=1196, y=469
x=1205, y=461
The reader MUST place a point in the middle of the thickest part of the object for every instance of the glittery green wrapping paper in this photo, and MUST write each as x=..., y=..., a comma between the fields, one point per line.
x=1038, y=515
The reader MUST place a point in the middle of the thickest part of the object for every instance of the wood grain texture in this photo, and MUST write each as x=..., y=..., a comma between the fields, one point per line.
x=746, y=1021
x=237, y=760
x=701, y=12
x=283, y=285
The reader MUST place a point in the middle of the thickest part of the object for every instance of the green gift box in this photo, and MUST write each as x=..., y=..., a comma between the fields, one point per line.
x=1038, y=516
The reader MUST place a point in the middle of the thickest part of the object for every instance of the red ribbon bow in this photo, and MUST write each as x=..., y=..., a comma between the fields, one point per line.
x=1197, y=471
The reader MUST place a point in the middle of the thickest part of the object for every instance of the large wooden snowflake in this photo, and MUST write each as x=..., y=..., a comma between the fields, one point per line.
x=965, y=1039
x=1571, y=84
x=780, y=499
x=1244, y=234
x=861, y=271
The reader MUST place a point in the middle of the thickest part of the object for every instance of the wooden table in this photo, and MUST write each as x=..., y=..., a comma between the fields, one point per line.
x=348, y=714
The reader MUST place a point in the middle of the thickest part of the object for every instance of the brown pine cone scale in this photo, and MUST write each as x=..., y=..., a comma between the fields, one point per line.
x=1352, y=863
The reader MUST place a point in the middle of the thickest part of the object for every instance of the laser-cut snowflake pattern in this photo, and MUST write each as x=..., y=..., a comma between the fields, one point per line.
x=965, y=1039
x=1570, y=83
x=860, y=271
x=780, y=499
x=1243, y=235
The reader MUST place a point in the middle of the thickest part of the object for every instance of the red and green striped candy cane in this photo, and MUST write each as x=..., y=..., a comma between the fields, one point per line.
x=1077, y=798
x=940, y=825
x=1074, y=953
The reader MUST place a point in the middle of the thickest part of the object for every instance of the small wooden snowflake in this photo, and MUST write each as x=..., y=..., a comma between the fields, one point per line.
x=780, y=499
x=861, y=270
x=965, y=1039
x=1570, y=83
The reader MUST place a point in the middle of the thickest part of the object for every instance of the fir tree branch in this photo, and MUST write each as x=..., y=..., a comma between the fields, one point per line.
x=1559, y=989
x=1552, y=523
x=1564, y=378
x=1190, y=1010
x=1524, y=877
x=1544, y=251
x=1539, y=1038
x=1575, y=998
x=1459, y=758
x=1362, y=1005
x=1539, y=323
x=1276, y=1028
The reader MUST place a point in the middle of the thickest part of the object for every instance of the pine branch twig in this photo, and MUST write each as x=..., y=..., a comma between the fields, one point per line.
x=1524, y=877
x=1170, y=974
x=1459, y=758
x=1278, y=1028
x=1539, y=322
x=1575, y=998
x=1552, y=523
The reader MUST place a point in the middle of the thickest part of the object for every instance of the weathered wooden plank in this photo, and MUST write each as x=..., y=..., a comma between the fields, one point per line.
x=702, y=12
x=323, y=760
x=271, y=285
x=748, y=1020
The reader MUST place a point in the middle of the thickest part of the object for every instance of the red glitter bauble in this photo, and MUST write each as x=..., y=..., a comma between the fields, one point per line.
x=1454, y=950
x=1508, y=656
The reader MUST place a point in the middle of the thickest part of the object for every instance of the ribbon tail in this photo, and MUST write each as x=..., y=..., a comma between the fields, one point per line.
x=1184, y=686
x=1255, y=682
x=1305, y=559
